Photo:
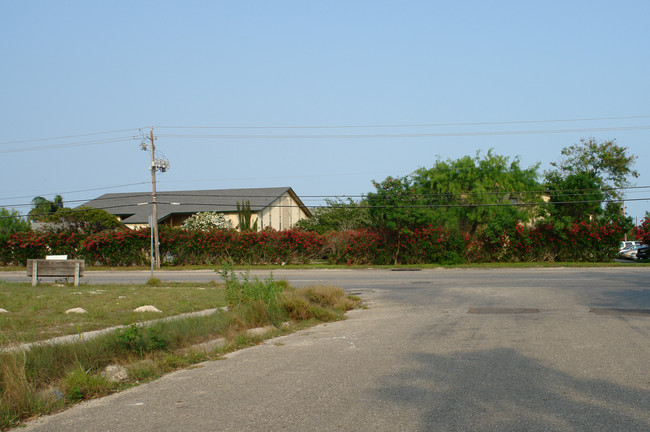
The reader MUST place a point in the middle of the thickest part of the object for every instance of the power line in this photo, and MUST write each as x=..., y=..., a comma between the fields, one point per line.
x=339, y=136
x=414, y=125
x=352, y=126
x=66, y=145
x=77, y=191
x=67, y=136
x=407, y=135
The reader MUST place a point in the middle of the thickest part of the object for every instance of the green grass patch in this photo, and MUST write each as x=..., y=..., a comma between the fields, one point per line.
x=38, y=313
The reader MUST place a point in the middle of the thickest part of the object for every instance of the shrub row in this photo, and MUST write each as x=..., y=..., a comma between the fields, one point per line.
x=577, y=242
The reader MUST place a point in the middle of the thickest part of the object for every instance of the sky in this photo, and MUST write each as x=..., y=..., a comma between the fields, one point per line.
x=320, y=96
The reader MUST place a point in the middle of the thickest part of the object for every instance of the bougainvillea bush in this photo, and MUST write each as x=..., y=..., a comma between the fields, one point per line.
x=247, y=247
x=584, y=241
x=643, y=230
x=117, y=248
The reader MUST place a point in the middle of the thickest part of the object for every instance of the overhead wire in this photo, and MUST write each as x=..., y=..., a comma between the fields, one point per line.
x=66, y=145
x=68, y=136
x=80, y=190
x=417, y=125
x=337, y=136
x=407, y=135
x=388, y=196
x=508, y=204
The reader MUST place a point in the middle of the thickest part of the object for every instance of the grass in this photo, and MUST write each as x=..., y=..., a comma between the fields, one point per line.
x=47, y=378
x=37, y=313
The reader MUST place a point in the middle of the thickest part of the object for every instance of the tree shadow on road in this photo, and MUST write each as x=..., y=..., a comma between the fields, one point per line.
x=501, y=390
x=630, y=299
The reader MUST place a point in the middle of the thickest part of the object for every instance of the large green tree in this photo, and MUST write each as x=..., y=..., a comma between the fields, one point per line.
x=609, y=164
x=587, y=182
x=485, y=192
x=573, y=198
x=397, y=205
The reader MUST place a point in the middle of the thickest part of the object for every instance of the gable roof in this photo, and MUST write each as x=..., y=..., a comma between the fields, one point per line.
x=135, y=208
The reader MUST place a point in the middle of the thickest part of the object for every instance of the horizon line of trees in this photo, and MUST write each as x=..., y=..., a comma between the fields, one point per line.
x=491, y=193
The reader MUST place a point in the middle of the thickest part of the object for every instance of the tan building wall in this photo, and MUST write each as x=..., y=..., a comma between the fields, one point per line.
x=282, y=214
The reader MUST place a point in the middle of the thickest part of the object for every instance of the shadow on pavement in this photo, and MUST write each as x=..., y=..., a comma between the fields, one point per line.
x=502, y=390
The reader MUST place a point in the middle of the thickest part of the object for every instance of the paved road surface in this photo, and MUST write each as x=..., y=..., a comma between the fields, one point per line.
x=438, y=350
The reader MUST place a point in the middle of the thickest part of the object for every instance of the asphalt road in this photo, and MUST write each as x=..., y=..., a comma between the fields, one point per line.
x=438, y=350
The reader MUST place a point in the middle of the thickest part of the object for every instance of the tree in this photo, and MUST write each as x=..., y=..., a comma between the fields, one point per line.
x=11, y=222
x=85, y=219
x=396, y=205
x=338, y=215
x=43, y=207
x=574, y=198
x=587, y=175
x=609, y=164
x=479, y=193
x=206, y=221
x=467, y=194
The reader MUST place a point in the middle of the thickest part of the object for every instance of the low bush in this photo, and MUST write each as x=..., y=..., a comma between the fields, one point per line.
x=79, y=384
x=139, y=340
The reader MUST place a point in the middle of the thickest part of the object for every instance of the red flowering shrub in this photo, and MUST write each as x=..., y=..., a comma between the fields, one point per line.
x=248, y=247
x=591, y=242
x=25, y=245
x=423, y=245
x=359, y=246
x=117, y=248
x=28, y=245
x=643, y=230
x=585, y=241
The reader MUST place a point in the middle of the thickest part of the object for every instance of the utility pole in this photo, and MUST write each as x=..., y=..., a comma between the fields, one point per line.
x=156, y=164
x=623, y=214
x=156, y=241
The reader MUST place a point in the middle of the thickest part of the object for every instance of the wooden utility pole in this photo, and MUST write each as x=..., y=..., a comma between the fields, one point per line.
x=156, y=257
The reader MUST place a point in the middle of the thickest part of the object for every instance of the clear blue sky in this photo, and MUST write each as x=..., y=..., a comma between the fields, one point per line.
x=81, y=67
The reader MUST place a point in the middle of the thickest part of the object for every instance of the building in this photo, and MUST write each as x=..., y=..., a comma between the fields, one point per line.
x=278, y=208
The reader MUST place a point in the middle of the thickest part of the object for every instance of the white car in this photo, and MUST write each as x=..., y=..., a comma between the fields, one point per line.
x=629, y=252
x=625, y=244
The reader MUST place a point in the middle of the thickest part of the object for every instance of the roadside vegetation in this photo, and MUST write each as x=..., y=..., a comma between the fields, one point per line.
x=43, y=377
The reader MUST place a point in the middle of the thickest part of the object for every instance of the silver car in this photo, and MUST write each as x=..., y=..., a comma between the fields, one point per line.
x=629, y=252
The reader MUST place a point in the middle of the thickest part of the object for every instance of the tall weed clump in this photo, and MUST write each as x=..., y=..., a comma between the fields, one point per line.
x=17, y=394
x=253, y=301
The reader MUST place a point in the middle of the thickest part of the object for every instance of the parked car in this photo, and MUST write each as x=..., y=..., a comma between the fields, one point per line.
x=627, y=243
x=643, y=252
x=630, y=252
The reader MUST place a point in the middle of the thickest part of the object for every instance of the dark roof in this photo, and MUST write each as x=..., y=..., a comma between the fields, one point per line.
x=135, y=208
